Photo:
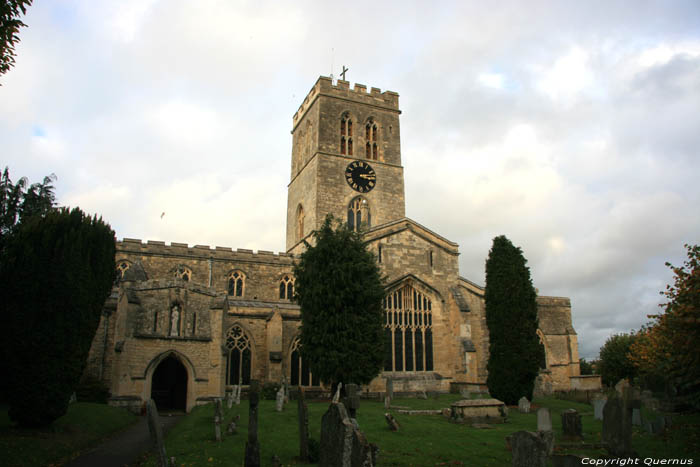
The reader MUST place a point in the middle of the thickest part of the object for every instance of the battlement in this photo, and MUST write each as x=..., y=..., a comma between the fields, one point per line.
x=153, y=247
x=324, y=86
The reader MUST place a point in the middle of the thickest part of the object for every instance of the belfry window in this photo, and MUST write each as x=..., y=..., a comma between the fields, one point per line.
x=371, y=140
x=408, y=341
x=346, y=135
x=236, y=283
x=301, y=374
x=184, y=273
x=287, y=287
x=359, y=215
x=238, y=361
x=122, y=267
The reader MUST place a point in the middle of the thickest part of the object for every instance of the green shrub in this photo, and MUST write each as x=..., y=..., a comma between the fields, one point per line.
x=269, y=390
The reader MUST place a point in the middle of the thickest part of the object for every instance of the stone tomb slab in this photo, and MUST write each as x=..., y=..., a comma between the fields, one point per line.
x=478, y=411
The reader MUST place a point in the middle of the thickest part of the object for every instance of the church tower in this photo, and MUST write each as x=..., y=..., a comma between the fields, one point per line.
x=346, y=159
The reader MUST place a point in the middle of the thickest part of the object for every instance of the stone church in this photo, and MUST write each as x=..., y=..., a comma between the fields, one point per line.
x=185, y=323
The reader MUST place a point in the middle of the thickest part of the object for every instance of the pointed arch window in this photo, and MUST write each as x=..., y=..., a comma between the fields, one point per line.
x=239, y=358
x=184, y=273
x=408, y=344
x=371, y=140
x=287, y=287
x=346, y=134
x=301, y=374
x=122, y=267
x=236, y=283
x=359, y=215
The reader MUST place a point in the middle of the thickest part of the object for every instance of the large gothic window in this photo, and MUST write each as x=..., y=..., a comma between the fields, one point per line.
x=287, y=287
x=408, y=344
x=358, y=214
x=346, y=134
x=238, y=361
x=236, y=283
x=371, y=140
x=300, y=372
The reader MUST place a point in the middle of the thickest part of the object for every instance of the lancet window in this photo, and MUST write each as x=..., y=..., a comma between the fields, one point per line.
x=236, y=283
x=300, y=372
x=358, y=214
x=238, y=361
x=371, y=140
x=122, y=267
x=408, y=344
x=346, y=135
x=287, y=287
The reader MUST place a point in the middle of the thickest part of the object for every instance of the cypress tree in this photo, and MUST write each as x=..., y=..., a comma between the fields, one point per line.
x=55, y=275
x=515, y=352
x=339, y=289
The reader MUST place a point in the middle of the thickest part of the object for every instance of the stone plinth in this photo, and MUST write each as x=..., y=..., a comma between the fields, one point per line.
x=478, y=411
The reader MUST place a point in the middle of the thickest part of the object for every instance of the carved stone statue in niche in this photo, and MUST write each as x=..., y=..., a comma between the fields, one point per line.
x=175, y=320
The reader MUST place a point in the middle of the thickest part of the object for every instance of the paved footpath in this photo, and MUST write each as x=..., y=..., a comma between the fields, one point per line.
x=125, y=448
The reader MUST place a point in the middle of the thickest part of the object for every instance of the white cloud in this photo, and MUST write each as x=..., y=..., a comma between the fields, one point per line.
x=492, y=80
x=567, y=77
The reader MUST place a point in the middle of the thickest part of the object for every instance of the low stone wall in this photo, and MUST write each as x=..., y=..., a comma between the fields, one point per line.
x=586, y=382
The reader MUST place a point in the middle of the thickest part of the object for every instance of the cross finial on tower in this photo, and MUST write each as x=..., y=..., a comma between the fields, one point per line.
x=343, y=72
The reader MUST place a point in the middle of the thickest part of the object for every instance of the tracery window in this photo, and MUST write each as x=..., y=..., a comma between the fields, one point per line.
x=184, y=273
x=358, y=214
x=371, y=140
x=300, y=372
x=238, y=361
x=236, y=283
x=122, y=267
x=408, y=344
x=346, y=135
x=300, y=223
x=287, y=287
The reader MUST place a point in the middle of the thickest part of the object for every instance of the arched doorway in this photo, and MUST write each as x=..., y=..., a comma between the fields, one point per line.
x=169, y=385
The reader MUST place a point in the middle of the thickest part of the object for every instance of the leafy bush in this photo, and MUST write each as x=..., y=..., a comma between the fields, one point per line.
x=614, y=363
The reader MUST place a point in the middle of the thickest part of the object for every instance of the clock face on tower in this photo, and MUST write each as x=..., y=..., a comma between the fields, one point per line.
x=360, y=176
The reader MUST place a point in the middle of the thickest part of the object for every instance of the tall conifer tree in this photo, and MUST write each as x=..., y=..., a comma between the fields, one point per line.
x=339, y=289
x=515, y=351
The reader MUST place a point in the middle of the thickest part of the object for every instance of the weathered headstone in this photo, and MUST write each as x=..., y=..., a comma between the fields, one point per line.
x=544, y=419
x=422, y=395
x=548, y=438
x=237, y=394
x=229, y=399
x=156, y=433
x=390, y=388
x=303, y=414
x=621, y=385
x=636, y=417
x=391, y=421
x=342, y=444
x=529, y=449
x=523, y=405
x=387, y=402
x=279, y=399
x=598, y=405
x=617, y=427
x=571, y=424
x=252, y=446
x=336, y=397
x=353, y=399
x=218, y=418
x=465, y=393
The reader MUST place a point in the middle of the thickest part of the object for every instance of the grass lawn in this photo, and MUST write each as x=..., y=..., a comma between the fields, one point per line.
x=423, y=439
x=82, y=427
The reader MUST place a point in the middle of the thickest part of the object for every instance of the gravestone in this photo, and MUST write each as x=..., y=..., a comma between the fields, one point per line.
x=422, y=395
x=391, y=421
x=229, y=399
x=528, y=449
x=252, y=446
x=544, y=419
x=465, y=393
x=636, y=417
x=279, y=399
x=617, y=427
x=390, y=388
x=342, y=444
x=156, y=432
x=218, y=418
x=303, y=415
x=598, y=405
x=336, y=397
x=387, y=402
x=548, y=438
x=621, y=385
x=353, y=399
x=237, y=394
x=523, y=405
x=571, y=424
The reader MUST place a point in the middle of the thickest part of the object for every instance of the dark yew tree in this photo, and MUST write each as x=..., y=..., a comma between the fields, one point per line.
x=339, y=289
x=56, y=272
x=18, y=201
x=515, y=351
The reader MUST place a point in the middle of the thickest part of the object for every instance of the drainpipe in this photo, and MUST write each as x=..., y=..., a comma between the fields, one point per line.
x=210, y=271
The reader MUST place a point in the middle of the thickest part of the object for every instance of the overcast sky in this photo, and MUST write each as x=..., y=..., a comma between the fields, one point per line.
x=571, y=127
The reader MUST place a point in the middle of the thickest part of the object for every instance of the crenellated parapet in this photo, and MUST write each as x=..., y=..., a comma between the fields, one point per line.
x=388, y=100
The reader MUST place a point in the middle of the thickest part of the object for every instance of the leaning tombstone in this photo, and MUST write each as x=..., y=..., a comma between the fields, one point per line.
x=617, y=427
x=342, y=443
x=303, y=414
x=391, y=421
x=252, y=446
x=523, y=405
x=529, y=450
x=279, y=399
x=571, y=424
x=598, y=405
x=544, y=419
x=218, y=418
x=156, y=433
x=353, y=399
x=336, y=397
